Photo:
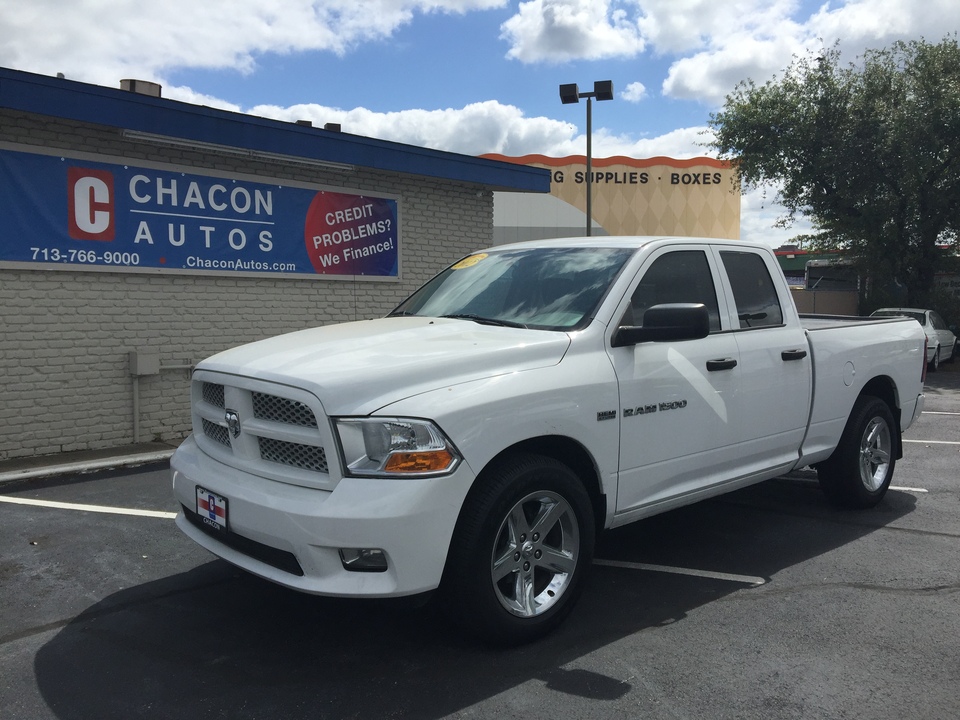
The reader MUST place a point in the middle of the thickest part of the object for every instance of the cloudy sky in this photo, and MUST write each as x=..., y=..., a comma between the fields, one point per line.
x=468, y=76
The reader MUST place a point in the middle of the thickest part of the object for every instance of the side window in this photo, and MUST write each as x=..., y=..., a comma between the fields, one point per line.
x=753, y=290
x=677, y=277
x=937, y=321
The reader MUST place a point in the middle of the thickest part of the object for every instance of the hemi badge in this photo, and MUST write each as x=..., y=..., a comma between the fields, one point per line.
x=606, y=415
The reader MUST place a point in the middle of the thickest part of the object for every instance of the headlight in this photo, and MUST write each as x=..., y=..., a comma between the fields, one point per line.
x=394, y=447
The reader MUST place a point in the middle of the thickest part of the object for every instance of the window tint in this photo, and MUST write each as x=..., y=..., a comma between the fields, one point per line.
x=677, y=277
x=753, y=290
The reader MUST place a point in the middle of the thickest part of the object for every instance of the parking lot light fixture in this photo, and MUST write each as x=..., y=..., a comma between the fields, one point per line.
x=570, y=93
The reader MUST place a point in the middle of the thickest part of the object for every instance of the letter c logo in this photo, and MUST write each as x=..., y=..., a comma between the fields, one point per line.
x=90, y=201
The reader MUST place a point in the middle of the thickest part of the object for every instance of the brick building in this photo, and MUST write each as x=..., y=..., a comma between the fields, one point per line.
x=102, y=312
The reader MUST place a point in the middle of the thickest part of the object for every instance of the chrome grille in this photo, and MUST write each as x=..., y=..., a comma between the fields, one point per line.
x=213, y=394
x=306, y=457
x=283, y=433
x=217, y=433
x=284, y=410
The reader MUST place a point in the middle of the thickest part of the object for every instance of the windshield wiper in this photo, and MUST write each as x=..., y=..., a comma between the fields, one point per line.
x=486, y=321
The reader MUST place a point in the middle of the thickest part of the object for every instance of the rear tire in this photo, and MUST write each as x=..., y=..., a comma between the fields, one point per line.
x=934, y=364
x=859, y=472
x=520, y=551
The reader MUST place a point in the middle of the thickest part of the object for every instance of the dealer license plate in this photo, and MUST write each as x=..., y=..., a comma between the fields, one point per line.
x=212, y=509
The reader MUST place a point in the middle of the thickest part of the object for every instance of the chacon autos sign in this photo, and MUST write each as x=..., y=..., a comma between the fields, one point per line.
x=71, y=213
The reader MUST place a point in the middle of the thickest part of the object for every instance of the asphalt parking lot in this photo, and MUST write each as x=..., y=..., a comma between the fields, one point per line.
x=765, y=603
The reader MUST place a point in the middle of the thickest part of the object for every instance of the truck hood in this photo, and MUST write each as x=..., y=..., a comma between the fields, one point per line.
x=355, y=368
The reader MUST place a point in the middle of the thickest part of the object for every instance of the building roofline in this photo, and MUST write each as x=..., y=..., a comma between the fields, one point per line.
x=700, y=161
x=99, y=105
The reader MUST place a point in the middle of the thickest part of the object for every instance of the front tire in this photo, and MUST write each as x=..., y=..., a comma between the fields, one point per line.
x=521, y=549
x=859, y=472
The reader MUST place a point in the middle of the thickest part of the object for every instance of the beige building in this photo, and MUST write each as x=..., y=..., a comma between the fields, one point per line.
x=656, y=196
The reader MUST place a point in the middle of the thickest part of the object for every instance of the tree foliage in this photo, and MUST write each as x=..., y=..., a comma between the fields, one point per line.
x=870, y=152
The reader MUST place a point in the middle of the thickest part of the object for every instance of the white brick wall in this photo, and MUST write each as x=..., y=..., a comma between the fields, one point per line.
x=65, y=336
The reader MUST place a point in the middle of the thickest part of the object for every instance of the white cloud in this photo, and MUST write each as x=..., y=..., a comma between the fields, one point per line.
x=759, y=213
x=710, y=75
x=560, y=30
x=189, y=95
x=486, y=127
x=760, y=39
x=863, y=22
x=102, y=42
x=491, y=127
x=676, y=26
x=634, y=92
x=682, y=143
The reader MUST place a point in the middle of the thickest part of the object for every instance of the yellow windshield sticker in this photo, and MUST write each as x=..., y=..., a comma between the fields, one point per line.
x=469, y=261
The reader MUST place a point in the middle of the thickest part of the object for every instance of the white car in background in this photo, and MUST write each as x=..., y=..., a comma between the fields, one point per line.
x=941, y=342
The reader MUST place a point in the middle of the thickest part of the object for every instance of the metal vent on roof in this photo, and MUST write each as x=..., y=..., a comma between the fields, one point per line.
x=141, y=87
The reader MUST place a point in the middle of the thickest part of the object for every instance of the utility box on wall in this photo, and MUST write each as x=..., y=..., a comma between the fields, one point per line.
x=144, y=362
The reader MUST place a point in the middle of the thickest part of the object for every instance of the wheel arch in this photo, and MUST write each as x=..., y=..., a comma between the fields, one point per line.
x=884, y=388
x=571, y=453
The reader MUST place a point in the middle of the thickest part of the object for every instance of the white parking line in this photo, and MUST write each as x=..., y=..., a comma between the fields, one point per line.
x=938, y=412
x=932, y=442
x=88, y=508
x=814, y=481
x=746, y=579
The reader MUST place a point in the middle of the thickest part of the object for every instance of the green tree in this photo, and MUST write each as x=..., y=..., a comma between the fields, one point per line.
x=869, y=152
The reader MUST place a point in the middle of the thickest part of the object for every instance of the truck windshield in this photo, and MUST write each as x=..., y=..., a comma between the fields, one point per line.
x=542, y=288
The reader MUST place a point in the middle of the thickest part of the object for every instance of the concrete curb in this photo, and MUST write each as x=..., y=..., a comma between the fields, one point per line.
x=85, y=466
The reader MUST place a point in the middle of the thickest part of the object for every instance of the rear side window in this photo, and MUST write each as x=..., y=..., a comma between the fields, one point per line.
x=753, y=290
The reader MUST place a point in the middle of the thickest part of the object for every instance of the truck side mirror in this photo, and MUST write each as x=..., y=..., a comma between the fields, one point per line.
x=672, y=321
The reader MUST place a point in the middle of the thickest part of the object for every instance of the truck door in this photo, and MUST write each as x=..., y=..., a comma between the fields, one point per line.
x=774, y=357
x=677, y=399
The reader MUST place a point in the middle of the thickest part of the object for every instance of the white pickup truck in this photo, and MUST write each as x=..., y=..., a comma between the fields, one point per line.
x=477, y=438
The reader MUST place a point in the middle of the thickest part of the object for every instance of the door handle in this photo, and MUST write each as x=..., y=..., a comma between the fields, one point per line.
x=793, y=354
x=722, y=364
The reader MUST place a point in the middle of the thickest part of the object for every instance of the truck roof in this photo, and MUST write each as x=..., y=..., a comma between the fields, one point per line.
x=621, y=241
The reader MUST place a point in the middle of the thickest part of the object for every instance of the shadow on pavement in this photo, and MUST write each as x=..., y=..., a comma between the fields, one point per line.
x=214, y=642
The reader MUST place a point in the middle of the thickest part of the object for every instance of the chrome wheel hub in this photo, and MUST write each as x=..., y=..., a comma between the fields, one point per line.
x=535, y=554
x=875, y=450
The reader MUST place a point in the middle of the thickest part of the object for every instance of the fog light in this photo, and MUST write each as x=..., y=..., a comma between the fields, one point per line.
x=363, y=559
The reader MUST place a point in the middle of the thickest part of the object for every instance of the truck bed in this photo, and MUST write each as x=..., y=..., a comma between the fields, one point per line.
x=825, y=322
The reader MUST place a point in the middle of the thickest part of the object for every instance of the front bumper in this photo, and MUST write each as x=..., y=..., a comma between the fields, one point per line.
x=411, y=520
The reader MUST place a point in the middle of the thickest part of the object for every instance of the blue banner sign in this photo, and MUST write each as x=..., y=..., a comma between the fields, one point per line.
x=69, y=213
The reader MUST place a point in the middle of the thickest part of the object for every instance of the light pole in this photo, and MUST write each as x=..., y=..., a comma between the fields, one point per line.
x=570, y=93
